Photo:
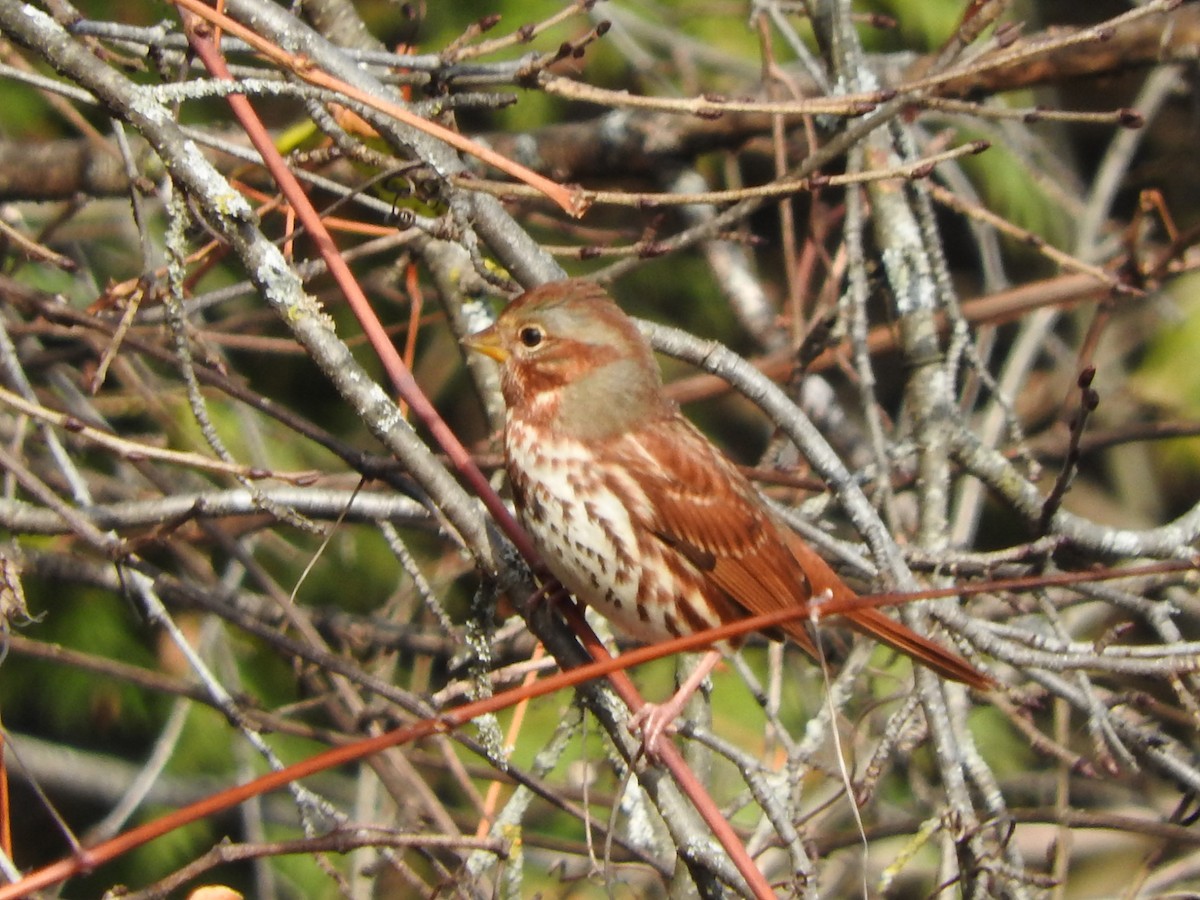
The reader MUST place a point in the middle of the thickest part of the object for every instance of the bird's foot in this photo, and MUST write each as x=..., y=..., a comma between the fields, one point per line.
x=655, y=723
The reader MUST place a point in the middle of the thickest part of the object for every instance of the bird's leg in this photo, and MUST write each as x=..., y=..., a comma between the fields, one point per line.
x=656, y=720
x=548, y=591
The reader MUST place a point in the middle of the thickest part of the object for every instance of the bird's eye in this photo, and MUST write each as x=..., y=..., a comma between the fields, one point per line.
x=530, y=336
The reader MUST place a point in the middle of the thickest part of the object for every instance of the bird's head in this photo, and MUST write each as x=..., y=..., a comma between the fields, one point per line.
x=569, y=355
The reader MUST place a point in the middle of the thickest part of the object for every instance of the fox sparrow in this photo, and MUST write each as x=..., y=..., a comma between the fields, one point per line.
x=630, y=506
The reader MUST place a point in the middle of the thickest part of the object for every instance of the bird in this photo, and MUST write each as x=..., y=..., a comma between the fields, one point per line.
x=633, y=510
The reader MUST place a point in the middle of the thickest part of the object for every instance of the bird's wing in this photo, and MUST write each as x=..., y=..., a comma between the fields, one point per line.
x=699, y=503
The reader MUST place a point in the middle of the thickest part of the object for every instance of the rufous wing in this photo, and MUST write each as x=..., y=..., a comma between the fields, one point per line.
x=705, y=509
x=701, y=506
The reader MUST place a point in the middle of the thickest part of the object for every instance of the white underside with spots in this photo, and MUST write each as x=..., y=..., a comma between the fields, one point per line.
x=589, y=546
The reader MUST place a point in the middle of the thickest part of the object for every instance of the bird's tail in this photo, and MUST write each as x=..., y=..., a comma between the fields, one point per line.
x=879, y=626
x=900, y=637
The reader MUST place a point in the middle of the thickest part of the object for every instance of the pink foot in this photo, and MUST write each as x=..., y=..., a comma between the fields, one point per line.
x=655, y=722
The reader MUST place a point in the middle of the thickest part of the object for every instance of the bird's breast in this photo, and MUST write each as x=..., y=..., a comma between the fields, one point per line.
x=588, y=522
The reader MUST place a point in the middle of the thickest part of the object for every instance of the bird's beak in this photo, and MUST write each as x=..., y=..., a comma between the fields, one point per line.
x=488, y=343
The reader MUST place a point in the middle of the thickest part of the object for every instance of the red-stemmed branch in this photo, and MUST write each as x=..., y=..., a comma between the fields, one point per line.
x=201, y=38
x=608, y=666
